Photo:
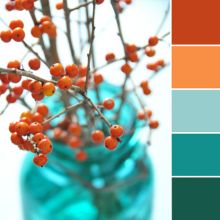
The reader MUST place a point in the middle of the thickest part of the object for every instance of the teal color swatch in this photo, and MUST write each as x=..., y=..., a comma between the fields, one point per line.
x=196, y=199
x=196, y=155
x=196, y=110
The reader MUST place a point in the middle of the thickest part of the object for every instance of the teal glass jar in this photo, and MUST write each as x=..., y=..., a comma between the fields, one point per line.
x=110, y=185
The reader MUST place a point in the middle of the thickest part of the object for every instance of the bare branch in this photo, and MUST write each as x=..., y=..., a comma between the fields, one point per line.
x=91, y=46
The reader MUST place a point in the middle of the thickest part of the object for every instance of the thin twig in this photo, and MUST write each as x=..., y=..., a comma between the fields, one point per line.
x=80, y=6
x=91, y=46
x=67, y=109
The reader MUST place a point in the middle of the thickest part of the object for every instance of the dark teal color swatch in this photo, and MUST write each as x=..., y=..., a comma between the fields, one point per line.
x=196, y=154
x=196, y=199
x=196, y=110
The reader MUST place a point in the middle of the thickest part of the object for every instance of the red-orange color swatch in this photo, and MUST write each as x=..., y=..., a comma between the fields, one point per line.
x=195, y=22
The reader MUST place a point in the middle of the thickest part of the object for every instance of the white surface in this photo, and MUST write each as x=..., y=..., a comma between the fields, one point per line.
x=160, y=102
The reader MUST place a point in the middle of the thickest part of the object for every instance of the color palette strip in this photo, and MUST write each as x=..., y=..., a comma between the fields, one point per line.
x=195, y=109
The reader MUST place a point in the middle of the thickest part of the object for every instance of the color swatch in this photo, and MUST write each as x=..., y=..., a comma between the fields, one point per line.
x=195, y=22
x=196, y=154
x=195, y=67
x=196, y=199
x=196, y=110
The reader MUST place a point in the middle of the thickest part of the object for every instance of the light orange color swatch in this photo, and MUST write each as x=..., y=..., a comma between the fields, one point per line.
x=196, y=67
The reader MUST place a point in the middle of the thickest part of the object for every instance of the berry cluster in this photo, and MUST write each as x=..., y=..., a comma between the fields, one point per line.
x=19, y=5
x=28, y=135
x=34, y=131
x=44, y=26
x=15, y=32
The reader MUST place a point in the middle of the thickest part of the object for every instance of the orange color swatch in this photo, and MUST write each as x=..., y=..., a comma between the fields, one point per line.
x=195, y=21
x=196, y=67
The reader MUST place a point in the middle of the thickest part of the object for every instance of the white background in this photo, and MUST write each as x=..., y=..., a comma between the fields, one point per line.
x=139, y=22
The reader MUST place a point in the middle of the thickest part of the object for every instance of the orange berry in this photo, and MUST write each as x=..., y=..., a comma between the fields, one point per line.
x=72, y=70
x=144, y=84
x=35, y=127
x=108, y=104
x=52, y=32
x=18, y=90
x=75, y=129
x=98, y=78
x=126, y=68
x=81, y=82
x=57, y=133
x=150, y=52
x=36, y=31
x=14, y=78
x=97, y=136
x=133, y=57
x=27, y=145
x=6, y=36
x=28, y=4
x=143, y=115
x=9, y=6
x=16, y=23
x=111, y=143
x=3, y=88
x=42, y=109
x=59, y=5
x=38, y=137
x=25, y=83
x=37, y=117
x=26, y=120
x=4, y=78
x=18, y=34
x=153, y=41
x=116, y=131
x=22, y=128
x=18, y=5
x=37, y=96
x=75, y=142
x=45, y=18
x=98, y=2
x=128, y=2
x=26, y=115
x=109, y=57
x=11, y=98
x=16, y=139
x=48, y=89
x=35, y=87
x=57, y=70
x=46, y=27
x=130, y=48
x=14, y=64
x=153, y=124
x=64, y=83
x=11, y=127
x=147, y=91
x=45, y=146
x=160, y=63
x=82, y=71
x=81, y=156
x=34, y=64
x=40, y=160
x=152, y=66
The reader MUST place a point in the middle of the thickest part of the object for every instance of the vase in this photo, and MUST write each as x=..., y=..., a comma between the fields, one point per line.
x=109, y=185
